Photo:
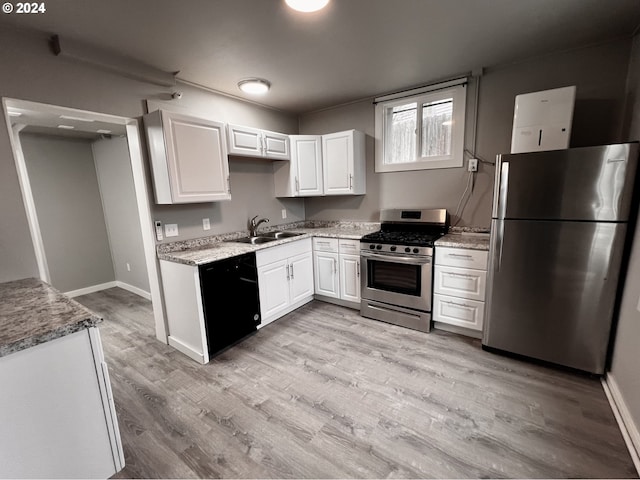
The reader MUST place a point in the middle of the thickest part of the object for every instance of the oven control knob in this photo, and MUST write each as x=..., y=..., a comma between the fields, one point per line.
x=372, y=246
x=379, y=247
x=393, y=249
x=407, y=249
x=415, y=250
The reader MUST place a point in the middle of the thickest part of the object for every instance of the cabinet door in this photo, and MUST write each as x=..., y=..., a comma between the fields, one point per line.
x=307, y=156
x=245, y=141
x=276, y=145
x=350, y=277
x=196, y=159
x=301, y=276
x=326, y=274
x=273, y=283
x=337, y=157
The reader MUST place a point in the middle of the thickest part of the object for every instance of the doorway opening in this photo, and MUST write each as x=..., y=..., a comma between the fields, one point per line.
x=84, y=188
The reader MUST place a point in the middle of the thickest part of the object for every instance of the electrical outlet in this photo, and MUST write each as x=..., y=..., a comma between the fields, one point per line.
x=128, y=267
x=473, y=165
x=284, y=213
x=206, y=224
x=171, y=230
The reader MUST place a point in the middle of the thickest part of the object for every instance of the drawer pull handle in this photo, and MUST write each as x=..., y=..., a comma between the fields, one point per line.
x=458, y=255
x=461, y=305
x=451, y=274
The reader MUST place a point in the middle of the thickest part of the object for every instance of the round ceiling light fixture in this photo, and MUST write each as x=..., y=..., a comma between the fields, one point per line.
x=307, y=6
x=254, y=86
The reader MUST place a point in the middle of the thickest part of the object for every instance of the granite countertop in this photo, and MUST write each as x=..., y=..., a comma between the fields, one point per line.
x=472, y=241
x=33, y=312
x=201, y=251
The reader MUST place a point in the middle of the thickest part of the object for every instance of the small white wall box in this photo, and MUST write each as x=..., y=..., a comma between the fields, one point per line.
x=542, y=120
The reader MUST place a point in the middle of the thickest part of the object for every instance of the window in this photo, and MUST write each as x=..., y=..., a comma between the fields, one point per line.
x=421, y=131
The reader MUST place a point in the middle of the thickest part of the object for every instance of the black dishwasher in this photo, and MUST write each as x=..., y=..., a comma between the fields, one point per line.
x=230, y=299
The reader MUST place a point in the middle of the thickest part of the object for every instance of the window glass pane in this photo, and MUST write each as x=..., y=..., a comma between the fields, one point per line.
x=436, y=128
x=400, y=137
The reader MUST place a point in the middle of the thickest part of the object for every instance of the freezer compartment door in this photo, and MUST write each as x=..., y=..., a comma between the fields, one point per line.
x=590, y=183
x=551, y=290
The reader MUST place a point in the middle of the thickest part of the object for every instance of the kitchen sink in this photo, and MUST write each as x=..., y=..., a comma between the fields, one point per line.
x=278, y=235
x=265, y=237
x=254, y=240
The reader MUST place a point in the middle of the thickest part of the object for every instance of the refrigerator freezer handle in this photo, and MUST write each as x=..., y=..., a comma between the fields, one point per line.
x=502, y=188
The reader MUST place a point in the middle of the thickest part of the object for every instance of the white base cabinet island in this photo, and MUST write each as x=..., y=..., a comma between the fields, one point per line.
x=57, y=415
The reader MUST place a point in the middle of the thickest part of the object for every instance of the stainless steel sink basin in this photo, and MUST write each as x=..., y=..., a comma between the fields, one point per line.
x=253, y=240
x=265, y=237
x=278, y=235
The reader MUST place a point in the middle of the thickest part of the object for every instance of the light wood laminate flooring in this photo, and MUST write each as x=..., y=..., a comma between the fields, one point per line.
x=325, y=393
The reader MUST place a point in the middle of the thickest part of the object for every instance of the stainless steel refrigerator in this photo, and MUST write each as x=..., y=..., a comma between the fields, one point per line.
x=558, y=230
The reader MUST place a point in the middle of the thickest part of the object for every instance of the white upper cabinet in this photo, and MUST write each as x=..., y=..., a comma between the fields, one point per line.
x=344, y=163
x=253, y=142
x=332, y=164
x=302, y=176
x=188, y=158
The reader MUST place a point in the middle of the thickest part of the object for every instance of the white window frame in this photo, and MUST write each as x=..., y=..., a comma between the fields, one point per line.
x=456, y=90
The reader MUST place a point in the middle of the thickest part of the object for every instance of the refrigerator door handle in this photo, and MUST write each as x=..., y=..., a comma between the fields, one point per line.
x=500, y=242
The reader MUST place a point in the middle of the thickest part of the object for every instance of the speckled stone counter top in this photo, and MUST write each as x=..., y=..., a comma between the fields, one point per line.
x=33, y=312
x=472, y=241
x=206, y=250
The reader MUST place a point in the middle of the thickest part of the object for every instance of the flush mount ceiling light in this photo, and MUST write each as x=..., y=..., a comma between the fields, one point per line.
x=254, y=86
x=307, y=6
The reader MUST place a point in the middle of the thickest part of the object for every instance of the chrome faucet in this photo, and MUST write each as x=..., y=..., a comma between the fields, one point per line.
x=253, y=225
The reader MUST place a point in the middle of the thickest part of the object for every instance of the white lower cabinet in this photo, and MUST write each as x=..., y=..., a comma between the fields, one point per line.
x=57, y=412
x=285, y=278
x=337, y=270
x=460, y=277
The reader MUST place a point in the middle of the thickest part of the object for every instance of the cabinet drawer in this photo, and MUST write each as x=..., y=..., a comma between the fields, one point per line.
x=322, y=244
x=458, y=311
x=351, y=247
x=462, y=257
x=460, y=282
x=269, y=255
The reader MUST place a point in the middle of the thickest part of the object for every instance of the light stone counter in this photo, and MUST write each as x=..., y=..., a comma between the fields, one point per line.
x=472, y=241
x=33, y=312
x=207, y=250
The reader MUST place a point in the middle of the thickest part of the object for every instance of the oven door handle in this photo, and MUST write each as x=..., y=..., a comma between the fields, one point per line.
x=397, y=259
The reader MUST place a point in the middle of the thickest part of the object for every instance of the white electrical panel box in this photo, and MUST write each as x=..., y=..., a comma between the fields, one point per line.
x=542, y=120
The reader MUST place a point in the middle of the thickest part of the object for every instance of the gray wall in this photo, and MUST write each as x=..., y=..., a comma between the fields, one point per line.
x=625, y=367
x=115, y=178
x=67, y=200
x=599, y=73
x=31, y=72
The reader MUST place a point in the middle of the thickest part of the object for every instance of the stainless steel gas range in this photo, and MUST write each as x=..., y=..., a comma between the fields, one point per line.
x=397, y=267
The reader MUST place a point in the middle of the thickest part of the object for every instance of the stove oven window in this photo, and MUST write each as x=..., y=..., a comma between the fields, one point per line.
x=394, y=277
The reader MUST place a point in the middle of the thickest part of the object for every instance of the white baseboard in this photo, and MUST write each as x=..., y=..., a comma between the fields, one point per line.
x=91, y=289
x=629, y=429
x=132, y=289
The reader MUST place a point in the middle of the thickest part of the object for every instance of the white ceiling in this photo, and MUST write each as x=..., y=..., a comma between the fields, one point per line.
x=351, y=50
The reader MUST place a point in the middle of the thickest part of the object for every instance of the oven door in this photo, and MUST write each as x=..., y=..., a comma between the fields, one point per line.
x=399, y=280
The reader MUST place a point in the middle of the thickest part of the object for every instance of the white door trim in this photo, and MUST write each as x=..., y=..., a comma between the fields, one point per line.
x=138, y=169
